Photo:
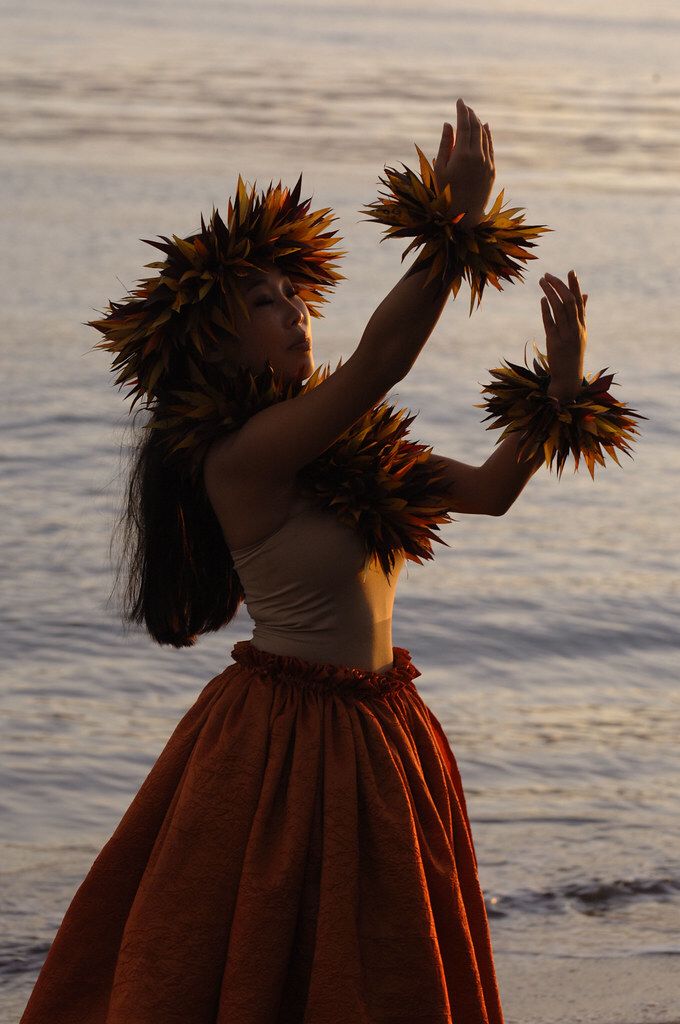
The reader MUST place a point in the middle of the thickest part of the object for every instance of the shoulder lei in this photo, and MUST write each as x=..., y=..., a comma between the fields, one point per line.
x=373, y=477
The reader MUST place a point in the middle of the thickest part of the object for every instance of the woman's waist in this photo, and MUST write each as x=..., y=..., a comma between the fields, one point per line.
x=367, y=647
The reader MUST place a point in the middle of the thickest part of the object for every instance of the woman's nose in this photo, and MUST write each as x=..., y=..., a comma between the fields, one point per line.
x=296, y=315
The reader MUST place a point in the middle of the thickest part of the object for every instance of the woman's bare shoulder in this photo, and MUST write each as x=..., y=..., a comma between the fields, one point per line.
x=248, y=510
x=276, y=443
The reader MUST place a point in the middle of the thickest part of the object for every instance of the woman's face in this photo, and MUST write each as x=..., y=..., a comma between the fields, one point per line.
x=279, y=328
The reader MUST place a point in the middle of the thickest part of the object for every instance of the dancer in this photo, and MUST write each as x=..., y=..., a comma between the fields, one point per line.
x=301, y=849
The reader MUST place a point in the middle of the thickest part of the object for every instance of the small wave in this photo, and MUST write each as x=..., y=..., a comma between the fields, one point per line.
x=592, y=897
x=18, y=960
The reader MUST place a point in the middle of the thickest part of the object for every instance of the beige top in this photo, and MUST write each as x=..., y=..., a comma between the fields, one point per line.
x=309, y=597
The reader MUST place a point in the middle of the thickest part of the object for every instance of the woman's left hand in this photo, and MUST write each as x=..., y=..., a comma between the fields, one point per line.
x=564, y=318
x=466, y=164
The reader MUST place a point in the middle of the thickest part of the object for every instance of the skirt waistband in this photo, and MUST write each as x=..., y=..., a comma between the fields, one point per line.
x=327, y=677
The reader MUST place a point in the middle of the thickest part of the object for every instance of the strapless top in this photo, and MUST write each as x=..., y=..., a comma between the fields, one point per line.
x=310, y=596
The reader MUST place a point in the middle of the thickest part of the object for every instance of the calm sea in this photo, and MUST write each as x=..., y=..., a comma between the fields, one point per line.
x=547, y=639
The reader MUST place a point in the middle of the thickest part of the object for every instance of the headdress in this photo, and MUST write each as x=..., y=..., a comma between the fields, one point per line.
x=187, y=307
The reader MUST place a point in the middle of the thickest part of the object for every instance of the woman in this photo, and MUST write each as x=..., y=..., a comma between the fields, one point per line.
x=301, y=849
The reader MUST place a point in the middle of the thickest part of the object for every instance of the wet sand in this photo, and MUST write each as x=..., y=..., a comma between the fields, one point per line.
x=579, y=990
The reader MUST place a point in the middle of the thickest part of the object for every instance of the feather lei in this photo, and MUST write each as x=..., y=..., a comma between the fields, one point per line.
x=373, y=477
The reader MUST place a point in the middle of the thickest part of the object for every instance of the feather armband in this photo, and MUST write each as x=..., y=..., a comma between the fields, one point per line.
x=591, y=423
x=418, y=208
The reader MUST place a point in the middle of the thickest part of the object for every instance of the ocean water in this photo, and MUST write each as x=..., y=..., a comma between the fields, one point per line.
x=548, y=638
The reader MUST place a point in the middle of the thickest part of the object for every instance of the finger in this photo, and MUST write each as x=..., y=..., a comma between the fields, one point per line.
x=558, y=284
x=554, y=299
x=475, y=131
x=568, y=298
x=462, y=125
x=445, y=145
x=576, y=292
x=486, y=142
x=548, y=322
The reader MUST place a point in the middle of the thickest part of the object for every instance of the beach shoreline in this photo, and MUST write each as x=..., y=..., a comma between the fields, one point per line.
x=635, y=989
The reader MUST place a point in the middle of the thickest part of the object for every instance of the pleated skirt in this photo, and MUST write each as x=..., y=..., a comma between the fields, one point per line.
x=300, y=853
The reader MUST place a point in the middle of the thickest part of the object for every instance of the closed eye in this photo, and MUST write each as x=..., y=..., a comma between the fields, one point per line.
x=268, y=302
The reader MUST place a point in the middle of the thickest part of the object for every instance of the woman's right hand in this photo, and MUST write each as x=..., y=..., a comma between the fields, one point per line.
x=466, y=164
x=564, y=318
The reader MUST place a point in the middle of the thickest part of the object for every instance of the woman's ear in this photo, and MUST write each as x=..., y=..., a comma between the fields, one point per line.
x=228, y=347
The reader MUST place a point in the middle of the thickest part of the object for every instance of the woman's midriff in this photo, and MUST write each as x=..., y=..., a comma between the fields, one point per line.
x=311, y=593
x=373, y=654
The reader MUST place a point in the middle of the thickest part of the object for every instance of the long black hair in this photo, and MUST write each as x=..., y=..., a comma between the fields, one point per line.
x=176, y=570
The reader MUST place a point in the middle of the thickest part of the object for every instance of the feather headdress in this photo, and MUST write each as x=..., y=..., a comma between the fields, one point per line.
x=190, y=304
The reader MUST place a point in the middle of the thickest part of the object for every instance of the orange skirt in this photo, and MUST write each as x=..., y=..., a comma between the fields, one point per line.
x=300, y=853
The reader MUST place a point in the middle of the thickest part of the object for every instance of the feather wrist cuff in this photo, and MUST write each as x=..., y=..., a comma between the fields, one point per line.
x=417, y=208
x=590, y=424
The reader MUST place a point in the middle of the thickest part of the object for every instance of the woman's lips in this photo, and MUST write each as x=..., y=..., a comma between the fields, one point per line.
x=304, y=342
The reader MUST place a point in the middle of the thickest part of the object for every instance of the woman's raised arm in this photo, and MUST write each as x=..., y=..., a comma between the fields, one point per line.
x=277, y=442
x=273, y=445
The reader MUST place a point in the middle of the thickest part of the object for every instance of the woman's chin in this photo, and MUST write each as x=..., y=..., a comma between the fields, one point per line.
x=305, y=364
x=295, y=365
